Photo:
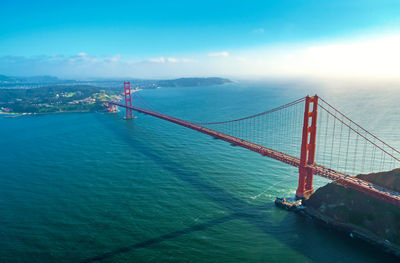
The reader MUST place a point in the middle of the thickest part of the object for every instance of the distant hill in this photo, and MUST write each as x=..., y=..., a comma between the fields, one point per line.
x=44, y=94
x=6, y=78
x=192, y=82
x=56, y=98
x=11, y=81
x=33, y=79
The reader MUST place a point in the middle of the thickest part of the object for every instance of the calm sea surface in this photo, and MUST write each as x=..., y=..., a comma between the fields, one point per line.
x=93, y=187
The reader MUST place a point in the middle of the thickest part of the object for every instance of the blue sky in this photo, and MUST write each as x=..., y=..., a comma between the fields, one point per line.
x=127, y=38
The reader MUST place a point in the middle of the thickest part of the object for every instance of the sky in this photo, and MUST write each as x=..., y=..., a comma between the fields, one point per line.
x=168, y=39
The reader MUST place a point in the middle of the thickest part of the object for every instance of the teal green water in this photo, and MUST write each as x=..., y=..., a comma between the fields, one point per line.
x=93, y=187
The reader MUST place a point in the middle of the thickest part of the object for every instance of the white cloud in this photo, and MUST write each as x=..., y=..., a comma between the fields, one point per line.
x=172, y=60
x=379, y=56
x=157, y=60
x=86, y=65
x=219, y=54
x=169, y=60
x=187, y=60
x=115, y=58
x=366, y=58
x=258, y=30
x=357, y=58
x=361, y=58
x=82, y=54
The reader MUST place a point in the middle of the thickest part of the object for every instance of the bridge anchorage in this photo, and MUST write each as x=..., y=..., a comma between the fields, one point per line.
x=331, y=146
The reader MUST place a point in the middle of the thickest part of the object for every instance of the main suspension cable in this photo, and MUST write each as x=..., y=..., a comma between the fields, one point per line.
x=255, y=115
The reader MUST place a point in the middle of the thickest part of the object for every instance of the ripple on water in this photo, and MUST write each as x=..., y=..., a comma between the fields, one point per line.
x=78, y=186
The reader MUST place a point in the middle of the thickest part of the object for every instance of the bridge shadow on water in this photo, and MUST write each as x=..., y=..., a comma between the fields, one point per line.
x=253, y=214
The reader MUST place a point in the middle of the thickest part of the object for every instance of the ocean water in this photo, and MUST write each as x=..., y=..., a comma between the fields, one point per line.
x=92, y=187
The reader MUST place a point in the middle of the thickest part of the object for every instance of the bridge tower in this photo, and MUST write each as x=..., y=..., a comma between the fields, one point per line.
x=128, y=100
x=307, y=156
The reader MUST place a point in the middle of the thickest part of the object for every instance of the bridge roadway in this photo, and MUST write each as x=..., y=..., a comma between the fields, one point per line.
x=340, y=178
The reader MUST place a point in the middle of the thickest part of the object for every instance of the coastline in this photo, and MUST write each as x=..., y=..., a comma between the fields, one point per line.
x=351, y=230
x=14, y=115
x=347, y=229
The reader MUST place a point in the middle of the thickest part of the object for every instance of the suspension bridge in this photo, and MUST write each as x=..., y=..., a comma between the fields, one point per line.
x=308, y=133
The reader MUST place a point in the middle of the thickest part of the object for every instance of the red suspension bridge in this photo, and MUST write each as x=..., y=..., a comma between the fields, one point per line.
x=308, y=133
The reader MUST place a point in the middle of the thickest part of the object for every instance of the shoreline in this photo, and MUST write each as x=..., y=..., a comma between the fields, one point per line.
x=346, y=229
x=352, y=231
x=14, y=115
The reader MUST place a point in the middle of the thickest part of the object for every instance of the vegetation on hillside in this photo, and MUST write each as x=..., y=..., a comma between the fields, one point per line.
x=46, y=94
x=192, y=82
x=55, y=99
x=374, y=218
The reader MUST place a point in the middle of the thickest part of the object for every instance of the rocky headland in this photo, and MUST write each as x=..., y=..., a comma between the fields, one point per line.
x=358, y=214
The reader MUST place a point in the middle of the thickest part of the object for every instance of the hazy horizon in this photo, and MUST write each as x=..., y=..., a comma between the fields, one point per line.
x=310, y=40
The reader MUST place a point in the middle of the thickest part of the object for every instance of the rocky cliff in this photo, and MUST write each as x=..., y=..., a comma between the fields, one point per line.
x=362, y=216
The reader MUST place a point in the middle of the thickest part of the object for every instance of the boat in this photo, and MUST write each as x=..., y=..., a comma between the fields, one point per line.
x=289, y=204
